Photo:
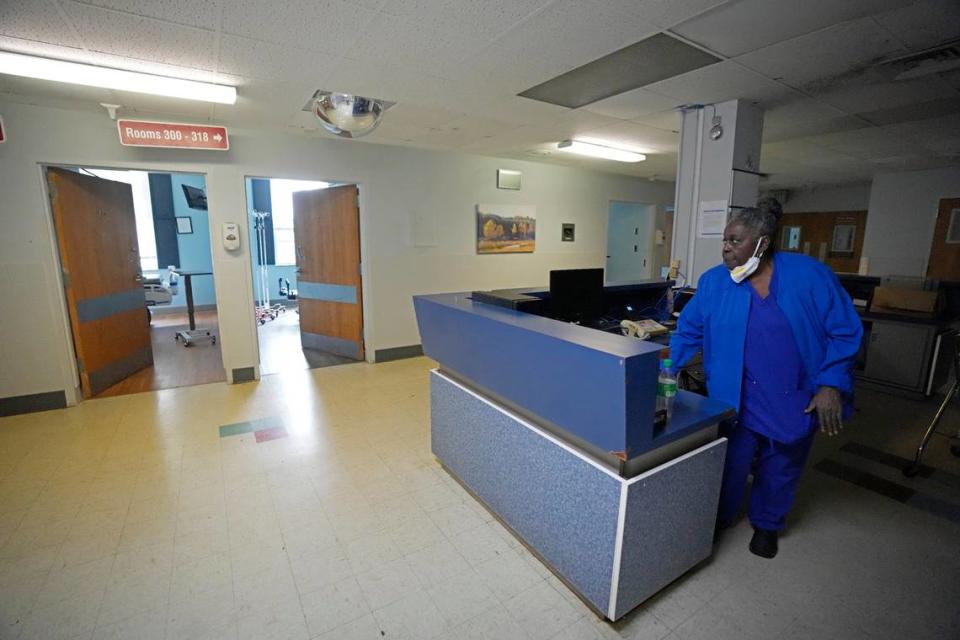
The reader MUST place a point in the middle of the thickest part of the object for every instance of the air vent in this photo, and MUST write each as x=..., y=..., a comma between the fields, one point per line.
x=650, y=60
x=945, y=57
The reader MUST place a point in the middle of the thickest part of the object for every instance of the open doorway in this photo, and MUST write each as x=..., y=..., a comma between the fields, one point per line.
x=629, y=241
x=134, y=248
x=305, y=247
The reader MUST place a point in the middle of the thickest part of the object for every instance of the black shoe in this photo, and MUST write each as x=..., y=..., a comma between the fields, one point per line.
x=764, y=543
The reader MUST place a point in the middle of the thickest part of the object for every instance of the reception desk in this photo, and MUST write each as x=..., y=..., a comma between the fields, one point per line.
x=551, y=426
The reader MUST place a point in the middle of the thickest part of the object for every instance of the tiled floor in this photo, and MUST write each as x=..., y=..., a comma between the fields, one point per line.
x=131, y=517
x=280, y=349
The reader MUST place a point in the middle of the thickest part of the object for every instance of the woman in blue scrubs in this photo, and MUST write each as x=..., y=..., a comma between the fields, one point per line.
x=779, y=337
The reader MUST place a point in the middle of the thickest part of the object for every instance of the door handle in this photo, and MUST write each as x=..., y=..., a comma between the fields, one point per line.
x=138, y=277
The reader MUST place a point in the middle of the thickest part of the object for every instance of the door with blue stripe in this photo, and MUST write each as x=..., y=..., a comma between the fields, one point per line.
x=100, y=257
x=326, y=226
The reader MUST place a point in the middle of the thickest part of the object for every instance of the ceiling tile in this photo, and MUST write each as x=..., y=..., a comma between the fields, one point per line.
x=408, y=42
x=816, y=61
x=36, y=20
x=914, y=163
x=665, y=13
x=419, y=116
x=797, y=108
x=740, y=27
x=565, y=35
x=463, y=131
x=668, y=120
x=920, y=111
x=724, y=81
x=871, y=91
x=131, y=36
x=205, y=15
x=322, y=25
x=864, y=143
x=266, y=104
x=924, y=24
x=804, y=153
x=947, y=125
x=777, y=130
x=632, y=104
x=266, y=61
x=486, y=19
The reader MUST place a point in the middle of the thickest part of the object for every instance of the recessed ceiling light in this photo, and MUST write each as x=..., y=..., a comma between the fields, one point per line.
x=600, y=151
x=16, y=64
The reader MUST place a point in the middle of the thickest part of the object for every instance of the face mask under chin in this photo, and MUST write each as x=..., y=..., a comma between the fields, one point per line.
x=747, y=269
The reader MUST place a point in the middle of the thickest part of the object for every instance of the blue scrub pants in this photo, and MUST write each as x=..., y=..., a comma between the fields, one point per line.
x=775, y=478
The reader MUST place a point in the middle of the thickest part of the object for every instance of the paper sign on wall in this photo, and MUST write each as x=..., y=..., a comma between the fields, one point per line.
x=713, y=218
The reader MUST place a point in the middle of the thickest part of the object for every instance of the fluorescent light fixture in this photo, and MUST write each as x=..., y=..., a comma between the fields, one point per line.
x=16, y=64
x=600, y=151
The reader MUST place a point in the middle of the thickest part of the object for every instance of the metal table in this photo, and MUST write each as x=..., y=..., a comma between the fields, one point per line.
x=192, y=335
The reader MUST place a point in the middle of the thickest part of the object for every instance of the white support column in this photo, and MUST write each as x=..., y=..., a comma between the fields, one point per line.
x=713, y=169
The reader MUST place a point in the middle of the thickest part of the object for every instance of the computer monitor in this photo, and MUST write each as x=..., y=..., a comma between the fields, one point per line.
x=196, y=198
x=576, y=295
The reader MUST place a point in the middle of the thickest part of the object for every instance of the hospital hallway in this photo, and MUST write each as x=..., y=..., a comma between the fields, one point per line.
x=309, y=505
x=173, y=364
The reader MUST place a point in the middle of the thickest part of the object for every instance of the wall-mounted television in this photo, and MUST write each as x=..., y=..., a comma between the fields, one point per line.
x=196, y=198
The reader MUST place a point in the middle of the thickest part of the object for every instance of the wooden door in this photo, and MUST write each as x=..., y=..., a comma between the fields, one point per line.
x=97, y=237
x=326, y=228
x=944, y=262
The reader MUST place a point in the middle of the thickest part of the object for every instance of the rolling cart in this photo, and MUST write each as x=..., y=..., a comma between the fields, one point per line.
x=193, y=335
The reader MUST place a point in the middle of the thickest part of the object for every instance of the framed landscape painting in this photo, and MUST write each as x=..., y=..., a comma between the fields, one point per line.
x=505, y=228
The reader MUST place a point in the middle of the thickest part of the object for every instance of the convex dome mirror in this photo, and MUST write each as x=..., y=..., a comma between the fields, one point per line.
x=346, y=115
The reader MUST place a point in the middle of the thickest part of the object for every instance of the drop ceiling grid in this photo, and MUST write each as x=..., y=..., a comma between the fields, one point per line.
x=814, y=60
x=39, y=21
x=473, y=73
x=142, y=38
x=326, y=25
x=633, y=104
x=740, y=27
x=923, y=24
x=487, y=19
x=665, y=13
x=871, y=90
x=204, y=15
x=268, y=62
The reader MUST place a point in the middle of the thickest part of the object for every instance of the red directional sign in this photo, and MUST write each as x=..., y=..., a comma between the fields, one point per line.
x=135, y=133
x=3, y=133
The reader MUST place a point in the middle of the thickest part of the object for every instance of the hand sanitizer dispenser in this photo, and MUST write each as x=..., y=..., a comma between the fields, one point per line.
x=231, y=236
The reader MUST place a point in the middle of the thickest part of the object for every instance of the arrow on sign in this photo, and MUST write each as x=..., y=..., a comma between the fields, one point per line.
x=217, y=137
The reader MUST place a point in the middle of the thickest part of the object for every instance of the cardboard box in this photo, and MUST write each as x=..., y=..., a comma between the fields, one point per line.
x=898, y=299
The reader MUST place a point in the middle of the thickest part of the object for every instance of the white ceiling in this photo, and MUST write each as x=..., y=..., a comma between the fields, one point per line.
x=454, y=68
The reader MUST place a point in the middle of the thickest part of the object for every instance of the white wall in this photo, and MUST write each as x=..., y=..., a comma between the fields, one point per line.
x=901, y=218
x=396, y=184
x=855, y=197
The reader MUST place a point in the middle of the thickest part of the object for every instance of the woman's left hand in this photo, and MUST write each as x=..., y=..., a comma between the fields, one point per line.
x=829, y=407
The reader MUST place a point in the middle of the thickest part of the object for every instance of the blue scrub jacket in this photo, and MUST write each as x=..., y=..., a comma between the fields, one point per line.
x=820, y=312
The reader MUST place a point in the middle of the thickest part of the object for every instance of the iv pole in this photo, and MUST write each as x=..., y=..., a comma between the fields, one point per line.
x=264, y=310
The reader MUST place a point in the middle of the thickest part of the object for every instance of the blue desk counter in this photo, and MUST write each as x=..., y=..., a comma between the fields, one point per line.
x=550, y=426
x=596, y=389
